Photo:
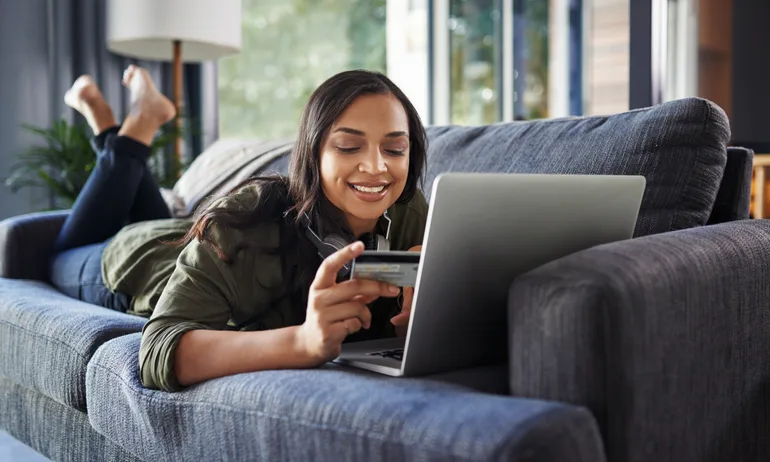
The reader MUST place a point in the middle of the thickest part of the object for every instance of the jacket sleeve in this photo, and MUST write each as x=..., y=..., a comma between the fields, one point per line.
x=199, y=295
x=202, y=293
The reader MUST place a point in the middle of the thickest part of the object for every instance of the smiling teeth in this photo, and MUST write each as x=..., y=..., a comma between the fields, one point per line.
x=369, y=190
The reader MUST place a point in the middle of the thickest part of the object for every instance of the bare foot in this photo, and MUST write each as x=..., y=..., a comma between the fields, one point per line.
x=146, y=100
x=84, y=96
x=149, y=108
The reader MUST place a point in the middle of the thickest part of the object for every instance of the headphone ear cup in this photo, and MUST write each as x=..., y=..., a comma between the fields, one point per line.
x=336, y=242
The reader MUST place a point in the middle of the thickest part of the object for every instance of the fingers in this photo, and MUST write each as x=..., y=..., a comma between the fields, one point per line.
x=343, y=311
x=327, y=273
x=402, y=318
x=352, y=325
x=408, y=297
x=348, y=290
x=365, y=299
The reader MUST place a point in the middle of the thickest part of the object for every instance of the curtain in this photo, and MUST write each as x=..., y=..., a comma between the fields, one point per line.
x=45, y=45
x=79, y=28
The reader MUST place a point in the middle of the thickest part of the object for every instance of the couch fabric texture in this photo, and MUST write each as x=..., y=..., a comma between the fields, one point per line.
x=672, y=327
x=679, y=147
x=54, y=429
x=47, y=338
x=733, y=200
x=325, y=414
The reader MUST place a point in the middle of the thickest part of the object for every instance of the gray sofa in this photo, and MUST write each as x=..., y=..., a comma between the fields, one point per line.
x=648, y=349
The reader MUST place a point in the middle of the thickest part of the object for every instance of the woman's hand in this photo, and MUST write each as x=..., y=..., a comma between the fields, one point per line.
x=334, y=310
x=401, y=320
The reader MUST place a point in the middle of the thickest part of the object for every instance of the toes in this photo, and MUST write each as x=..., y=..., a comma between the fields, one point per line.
x=128, y=74
x=82, y=81
x=83, y=89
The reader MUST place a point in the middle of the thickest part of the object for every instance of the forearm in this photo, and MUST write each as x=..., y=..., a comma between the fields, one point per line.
x=207, y=354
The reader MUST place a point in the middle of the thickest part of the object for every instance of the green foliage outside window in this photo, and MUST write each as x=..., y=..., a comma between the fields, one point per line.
x=288, y=48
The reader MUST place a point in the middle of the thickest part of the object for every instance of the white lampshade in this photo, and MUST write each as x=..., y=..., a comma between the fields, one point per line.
x=146, y=29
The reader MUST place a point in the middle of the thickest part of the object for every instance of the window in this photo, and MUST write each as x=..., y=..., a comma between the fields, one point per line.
x=465, y=62
x=528, y=59
x=475, y=52
x=571, y=57
x=289, y=47
x=531, y=59
x=607, y=38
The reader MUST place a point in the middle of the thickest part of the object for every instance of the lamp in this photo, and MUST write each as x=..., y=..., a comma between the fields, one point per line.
x=158, y=29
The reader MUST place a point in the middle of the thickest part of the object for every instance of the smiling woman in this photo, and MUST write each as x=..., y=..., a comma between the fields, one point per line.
x=243, y=287
x=365, y=159
x=248, y=265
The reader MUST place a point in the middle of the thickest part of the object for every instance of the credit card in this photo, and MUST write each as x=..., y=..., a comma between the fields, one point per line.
x=394, y=267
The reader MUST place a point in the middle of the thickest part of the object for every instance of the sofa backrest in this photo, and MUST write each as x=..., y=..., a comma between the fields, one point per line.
x=679, y=147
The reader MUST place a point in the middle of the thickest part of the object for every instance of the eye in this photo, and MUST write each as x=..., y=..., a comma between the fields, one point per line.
x=347, y=150
x=396, y=152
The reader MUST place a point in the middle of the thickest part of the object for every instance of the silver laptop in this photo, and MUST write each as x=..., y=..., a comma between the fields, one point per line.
x=483, y=230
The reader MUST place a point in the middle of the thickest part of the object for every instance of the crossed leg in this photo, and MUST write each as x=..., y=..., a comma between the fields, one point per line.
x=120, y=189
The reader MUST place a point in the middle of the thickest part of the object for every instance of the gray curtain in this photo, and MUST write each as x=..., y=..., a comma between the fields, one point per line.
x=44, y=46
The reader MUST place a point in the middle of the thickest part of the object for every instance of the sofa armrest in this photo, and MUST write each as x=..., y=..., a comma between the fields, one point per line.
x=331, y=413
x=26, y=243
x=666, y=339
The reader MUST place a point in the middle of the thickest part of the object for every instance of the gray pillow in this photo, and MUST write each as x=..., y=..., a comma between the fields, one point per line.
x=220, y=168
x=679, y=147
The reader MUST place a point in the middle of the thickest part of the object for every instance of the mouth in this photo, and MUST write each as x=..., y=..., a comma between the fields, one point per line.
x=369, y=192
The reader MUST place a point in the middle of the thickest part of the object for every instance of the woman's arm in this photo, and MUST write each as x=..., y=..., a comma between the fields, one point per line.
x=334, y=311
x=185, y=341
x=207, y=354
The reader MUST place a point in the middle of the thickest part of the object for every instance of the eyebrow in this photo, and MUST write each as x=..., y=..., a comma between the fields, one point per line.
x=353, y=131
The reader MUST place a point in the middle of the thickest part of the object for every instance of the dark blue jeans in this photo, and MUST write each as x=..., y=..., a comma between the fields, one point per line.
x=119, y=191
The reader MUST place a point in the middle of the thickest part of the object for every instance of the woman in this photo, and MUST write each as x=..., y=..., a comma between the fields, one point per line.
x=243, y=288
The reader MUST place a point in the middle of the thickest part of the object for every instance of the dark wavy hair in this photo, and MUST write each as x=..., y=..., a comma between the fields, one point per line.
x=301, y=192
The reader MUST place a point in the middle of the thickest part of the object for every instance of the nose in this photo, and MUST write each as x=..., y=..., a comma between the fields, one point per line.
x=373, y=162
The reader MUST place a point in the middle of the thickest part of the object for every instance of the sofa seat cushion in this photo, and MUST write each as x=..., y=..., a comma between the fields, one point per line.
x=54, y=430
x=47, y=338
x=680, y=147
x=330, y=413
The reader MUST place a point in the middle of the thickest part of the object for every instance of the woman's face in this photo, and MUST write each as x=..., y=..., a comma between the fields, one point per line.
x=365, y=159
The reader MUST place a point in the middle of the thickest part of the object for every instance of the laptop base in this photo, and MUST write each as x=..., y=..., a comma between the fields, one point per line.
x=369, y=355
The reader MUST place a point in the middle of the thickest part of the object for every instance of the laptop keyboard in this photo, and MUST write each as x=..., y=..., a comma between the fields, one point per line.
x=396, y=354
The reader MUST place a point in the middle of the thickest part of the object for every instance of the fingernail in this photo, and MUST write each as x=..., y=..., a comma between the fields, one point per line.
x=358, y=245
x=393, y=289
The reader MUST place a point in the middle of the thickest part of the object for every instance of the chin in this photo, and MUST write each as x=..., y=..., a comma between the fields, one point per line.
x=368, y=213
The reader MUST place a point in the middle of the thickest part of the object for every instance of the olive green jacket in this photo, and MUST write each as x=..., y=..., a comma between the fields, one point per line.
x=188, y=288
